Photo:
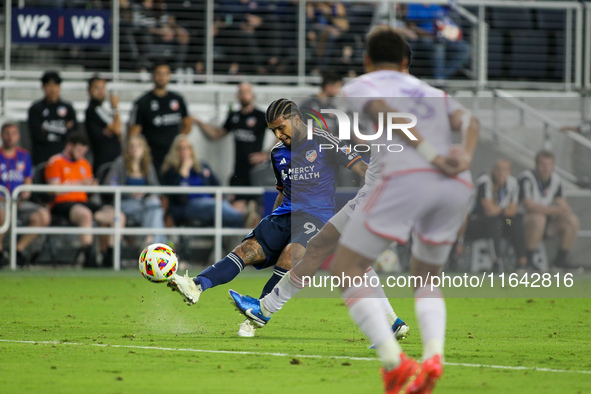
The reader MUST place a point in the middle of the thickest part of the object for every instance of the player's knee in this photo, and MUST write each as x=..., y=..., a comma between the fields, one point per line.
x=46, y=217
x=81, y=216
x=36, y=219
x=535, y=221
x=574, y=223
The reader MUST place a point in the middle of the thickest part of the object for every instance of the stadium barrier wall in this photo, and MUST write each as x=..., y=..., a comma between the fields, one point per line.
x=472, y=11
x=218, y=231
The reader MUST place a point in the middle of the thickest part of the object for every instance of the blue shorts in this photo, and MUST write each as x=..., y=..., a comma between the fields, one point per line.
x=275, y=232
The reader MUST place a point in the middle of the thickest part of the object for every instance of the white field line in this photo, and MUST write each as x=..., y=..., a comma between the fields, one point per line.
x=520, y=368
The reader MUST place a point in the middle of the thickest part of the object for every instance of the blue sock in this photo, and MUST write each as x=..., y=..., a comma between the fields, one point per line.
x=278, y=273
x=221, y=272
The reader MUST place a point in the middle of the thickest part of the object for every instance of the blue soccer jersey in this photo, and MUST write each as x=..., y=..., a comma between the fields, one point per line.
x=14, y=170
x=307, y=174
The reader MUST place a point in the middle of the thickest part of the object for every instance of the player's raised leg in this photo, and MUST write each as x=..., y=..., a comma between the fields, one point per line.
x=247, y=253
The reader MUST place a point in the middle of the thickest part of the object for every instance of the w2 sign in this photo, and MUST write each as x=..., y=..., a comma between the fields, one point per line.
x=61, y=26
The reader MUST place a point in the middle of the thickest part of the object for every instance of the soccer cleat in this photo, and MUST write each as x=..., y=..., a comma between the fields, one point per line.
x=430, y=372
x=249, y=307
x=186, y=287
x=400, y=329
x=246, y=329
x=399, y=379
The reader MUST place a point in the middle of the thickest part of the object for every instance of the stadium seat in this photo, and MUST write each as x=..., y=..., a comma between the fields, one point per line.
x=557, y=53
x=512, y=18
x=496, y=53
x=528, y=54
x=550, y=19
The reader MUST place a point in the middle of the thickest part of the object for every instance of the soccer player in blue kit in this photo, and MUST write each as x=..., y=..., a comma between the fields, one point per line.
x=305, y=176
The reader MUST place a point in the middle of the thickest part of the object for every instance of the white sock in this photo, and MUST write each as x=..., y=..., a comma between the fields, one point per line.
x=366, y=310
x=390, y=314
x=431, y=314
x=287, y=287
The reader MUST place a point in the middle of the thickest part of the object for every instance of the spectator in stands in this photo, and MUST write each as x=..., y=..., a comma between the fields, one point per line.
x=183, y=168
x=135, y=168
x=71, y=168
x=243, y=34
x=327, y=23
x=438, y=35
x=160, y=35
x=16, y=170
x=103, y=127
x=495, y=212
x=50, y=120
x=547, y=212
x=160, y=115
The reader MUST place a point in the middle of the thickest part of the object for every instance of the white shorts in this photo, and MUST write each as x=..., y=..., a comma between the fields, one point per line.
x=428, y=204
x=343, y=216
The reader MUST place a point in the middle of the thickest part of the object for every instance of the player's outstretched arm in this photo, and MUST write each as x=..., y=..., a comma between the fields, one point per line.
x=210, y=131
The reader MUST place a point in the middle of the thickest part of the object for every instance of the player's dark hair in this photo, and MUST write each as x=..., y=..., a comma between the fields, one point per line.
x=546, y=154
x=5, y=125
x=282, y=107
x=95, y=78
x=51, y=76
x=77, y=138
x=330, y=77
x=160, y=63
x=408, y=53
x=385, y=44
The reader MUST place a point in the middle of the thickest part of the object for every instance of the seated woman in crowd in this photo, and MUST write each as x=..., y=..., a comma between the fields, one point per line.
x=135, y=168
x=182, y=167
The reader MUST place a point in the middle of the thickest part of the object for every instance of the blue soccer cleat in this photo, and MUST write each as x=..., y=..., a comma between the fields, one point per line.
x=249, y=307
x=400, y=329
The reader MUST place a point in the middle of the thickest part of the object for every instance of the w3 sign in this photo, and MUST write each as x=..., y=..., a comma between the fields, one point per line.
x=61, y=26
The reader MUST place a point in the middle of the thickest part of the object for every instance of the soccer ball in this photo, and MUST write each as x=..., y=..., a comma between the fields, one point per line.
x=158, y=262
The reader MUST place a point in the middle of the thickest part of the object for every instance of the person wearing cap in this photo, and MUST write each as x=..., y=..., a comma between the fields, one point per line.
x=50, y=120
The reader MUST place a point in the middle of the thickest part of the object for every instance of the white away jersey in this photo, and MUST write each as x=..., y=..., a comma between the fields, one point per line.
x=405, y=93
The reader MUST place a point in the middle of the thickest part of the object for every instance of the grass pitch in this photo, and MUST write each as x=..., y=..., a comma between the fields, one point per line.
x=109, y=332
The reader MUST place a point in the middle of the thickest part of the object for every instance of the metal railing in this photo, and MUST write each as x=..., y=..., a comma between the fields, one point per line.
x=117, y=231
x=7, y=204
x=577, y=67
x=551, y=129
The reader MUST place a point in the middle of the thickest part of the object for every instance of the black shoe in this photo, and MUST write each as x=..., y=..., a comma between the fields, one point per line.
x=107, y=258
x=89, y=256
x=565, y=264
x=21, y=259
x=4, y=260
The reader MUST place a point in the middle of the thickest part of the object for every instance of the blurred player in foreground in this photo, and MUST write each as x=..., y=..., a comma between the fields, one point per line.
x=320, y=247
x=425, y=189
x=302, y=170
